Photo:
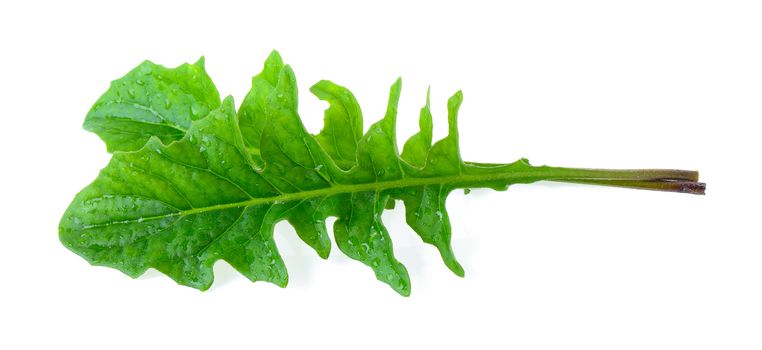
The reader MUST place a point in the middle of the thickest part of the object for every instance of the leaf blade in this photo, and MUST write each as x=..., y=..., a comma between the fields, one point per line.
x=179, y=203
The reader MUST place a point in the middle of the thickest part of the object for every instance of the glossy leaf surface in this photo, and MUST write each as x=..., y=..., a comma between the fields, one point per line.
x=196, y=182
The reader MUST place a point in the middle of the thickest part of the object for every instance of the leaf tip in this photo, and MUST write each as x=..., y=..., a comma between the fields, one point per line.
x=323, y=247
x=455, y=100
x=396, y=88
x=274, y=57
x=322, y=89
x=286, y=79
x=201, y=62
x=228, y=103
x=273, y=62
x=448, y=257
x=456, y=269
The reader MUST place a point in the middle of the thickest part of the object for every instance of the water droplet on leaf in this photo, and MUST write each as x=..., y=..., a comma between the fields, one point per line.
x=195, y=110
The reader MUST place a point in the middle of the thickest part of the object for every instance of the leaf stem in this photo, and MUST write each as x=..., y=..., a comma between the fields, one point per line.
x=669, y=180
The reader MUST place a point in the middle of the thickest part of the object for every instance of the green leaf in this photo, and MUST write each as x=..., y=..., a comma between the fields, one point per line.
x=181, y=203
x=149, y=101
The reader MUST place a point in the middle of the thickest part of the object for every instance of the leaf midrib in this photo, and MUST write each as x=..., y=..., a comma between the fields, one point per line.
x=512, y=174
x=139, y=105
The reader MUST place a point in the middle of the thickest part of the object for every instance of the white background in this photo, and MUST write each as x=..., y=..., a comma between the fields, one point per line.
x=669, y=84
